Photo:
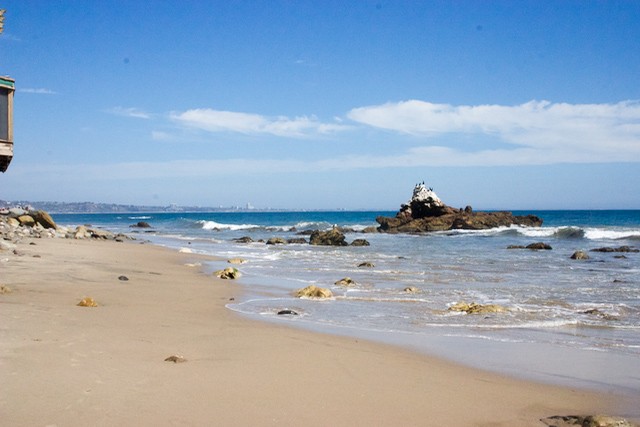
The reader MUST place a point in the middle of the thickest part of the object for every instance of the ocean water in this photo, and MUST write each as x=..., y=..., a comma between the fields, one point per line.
x=568, y=321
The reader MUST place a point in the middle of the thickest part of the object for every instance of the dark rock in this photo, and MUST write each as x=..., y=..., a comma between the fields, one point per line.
x=245, y=239
x=366, y=265
x=600, y=314
x=123, y=278
x=299, y=240
x=287, y=312
x=538, y=246
x=347, y=281
x=175, y=359
x=44, y=219
x=619, y=249
x=371, y=229
x=516, y=247
x=141, y=224
x=425, y=212
x=360, y=242
x=333, y=237
x=276, y=241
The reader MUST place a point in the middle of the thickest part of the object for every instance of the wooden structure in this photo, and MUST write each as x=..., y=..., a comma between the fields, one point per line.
x=7, y=87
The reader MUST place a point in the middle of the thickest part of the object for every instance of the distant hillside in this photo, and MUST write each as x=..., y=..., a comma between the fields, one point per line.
x=91, y=207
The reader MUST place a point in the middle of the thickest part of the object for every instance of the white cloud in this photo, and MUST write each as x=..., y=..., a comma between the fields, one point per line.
x=540, y=131
x=230, y=121
x=130, y=112
x=37, y=91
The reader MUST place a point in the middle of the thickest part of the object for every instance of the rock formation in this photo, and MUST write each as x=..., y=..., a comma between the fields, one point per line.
x=426, y=212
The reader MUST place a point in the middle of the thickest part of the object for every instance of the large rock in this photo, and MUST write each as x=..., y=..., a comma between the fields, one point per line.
x=44, y=219
x=333, y=237
x=425, y=212
x=474, y=308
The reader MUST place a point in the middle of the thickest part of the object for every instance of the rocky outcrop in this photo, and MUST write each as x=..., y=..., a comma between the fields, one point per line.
x=586, y=421
x=425, y=212
x=618, y=249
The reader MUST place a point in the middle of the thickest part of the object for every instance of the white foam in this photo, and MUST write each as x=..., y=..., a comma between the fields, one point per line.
x=602, y=233
x=212, y=225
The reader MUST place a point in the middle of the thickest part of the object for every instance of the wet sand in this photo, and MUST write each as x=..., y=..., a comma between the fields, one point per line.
x=61, y=364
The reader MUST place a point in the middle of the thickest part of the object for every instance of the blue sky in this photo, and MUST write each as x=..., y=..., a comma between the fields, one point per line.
x=332, y=104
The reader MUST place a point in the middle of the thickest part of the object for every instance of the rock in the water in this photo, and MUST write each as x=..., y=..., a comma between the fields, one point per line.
x=313, y=291
x=366, y=264
x=287, y=312
x=245, y=239
x=297, y=241
x=411, y=290
x=141, y=224
x=228, y=273
x=87, y=302
x=175, y=359
x=600, y=314
x=538, y=246
x=586, y=421
x=473, y=308
x=425, y=212
x=347, y=281
x=333, y=237
x=619, y=249
x=236, y=261
x=276, y=241
x=360, y=242
x=580, y=255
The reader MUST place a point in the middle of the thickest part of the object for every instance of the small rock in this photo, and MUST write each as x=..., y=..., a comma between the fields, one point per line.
x=245, y=239
x=87, y=302
x=360, y=242
x=276, y=241
x=175, y=359
x=474, y=308
x=287, y=312
x=411, y=290
x=236, y=261
x=347, y=281
x=297, y=241
x=141, y=224
x=366, y=264
x=580, y=255
x=538, y=246
x=123, y=278
x=5, y=289
x=228, y=273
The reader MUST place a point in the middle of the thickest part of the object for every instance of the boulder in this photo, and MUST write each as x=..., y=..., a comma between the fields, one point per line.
x=297, y=241
x=228, y=273
x=141, y=224
x=579, y=255
x=360, y=242
x=26, y=220
x=425, y=212
x=538, y=246
x=473, y=308
x=347, y=281
x=313, y=291
x=44, y=219
x=81, y=232
x=333, y=237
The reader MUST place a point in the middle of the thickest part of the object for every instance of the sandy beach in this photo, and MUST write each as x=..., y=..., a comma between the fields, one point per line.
x=65, y=365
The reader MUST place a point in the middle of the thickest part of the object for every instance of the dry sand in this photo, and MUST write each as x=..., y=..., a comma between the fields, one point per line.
x=65, y=365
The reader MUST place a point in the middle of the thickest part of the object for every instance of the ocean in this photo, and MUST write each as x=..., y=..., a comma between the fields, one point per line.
x=573, y=322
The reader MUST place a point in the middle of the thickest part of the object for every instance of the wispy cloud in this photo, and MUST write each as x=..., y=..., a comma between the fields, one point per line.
x=230, y=121
x=540, y=132
x=37, y=91
x=129, y=112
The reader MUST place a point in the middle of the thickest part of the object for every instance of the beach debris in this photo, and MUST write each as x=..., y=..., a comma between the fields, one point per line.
x=228, y=273
x=333, y=237
x=287, y=312
x=474, y=308
x=360, y=242
x=580, y=255
x=236, y=261
x=313, y=291
x=193, y=264
x=5, y=289
x=366, y=264
x=586, y=421
x=185, y=251
x=411, y=290
x=618, y=249
x=123, y=278
x=87, y=302
x=276, y=241
x=175, y=359
x=347, y=281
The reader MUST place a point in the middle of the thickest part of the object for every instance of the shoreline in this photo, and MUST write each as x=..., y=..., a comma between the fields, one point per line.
x=68, y=365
